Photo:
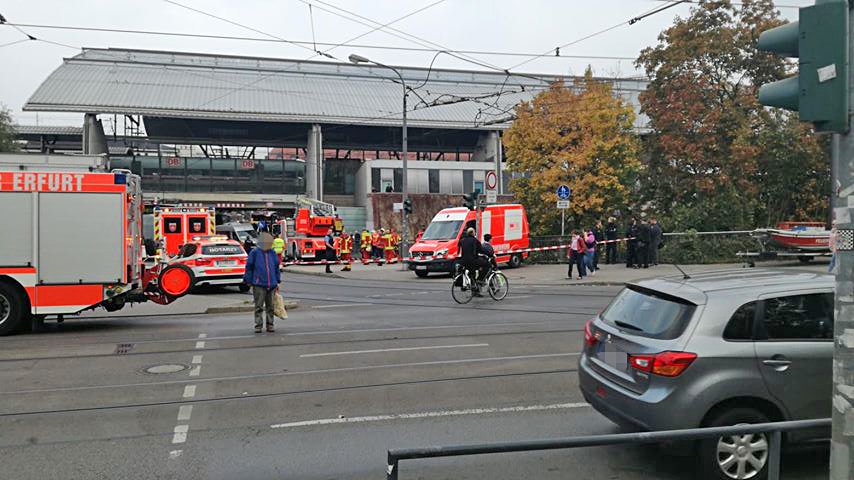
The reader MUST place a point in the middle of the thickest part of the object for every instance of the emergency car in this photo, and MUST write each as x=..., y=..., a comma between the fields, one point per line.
x=437, y=249
x=72, y=240
x=214, y=260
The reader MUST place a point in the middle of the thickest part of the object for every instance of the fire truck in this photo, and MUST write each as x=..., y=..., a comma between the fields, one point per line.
x=72, y=241
x=312, y=221
x=175, y=226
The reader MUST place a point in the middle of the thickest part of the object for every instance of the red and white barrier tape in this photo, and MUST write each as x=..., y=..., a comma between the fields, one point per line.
x=448, y=257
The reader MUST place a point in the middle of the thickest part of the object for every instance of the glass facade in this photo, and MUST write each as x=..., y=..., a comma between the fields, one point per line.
x=339, y=176
x=202, y=174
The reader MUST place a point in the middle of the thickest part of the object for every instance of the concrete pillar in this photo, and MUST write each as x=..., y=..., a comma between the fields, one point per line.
x=94, y=140
x=314, y=164
x=363, y=184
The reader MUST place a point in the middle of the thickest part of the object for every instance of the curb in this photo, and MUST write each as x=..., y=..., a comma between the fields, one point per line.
x=289, y=304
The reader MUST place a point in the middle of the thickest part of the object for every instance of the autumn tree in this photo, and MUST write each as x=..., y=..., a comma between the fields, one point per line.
x=710, y=144
x=579, y=135
x=7, y=132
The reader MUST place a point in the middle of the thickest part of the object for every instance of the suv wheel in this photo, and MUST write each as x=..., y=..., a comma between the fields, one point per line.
x=515, y=261
x=421, y=273
x=736, y=456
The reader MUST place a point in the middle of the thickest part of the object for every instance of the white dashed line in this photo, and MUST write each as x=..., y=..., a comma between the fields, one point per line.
x=175, y=454
x=180, y=434
x=200, y=345
x=203, y=335
x=340, y=305
x=189, y=391
x=400, y=349
x=196, y=371
x=197, y=359
x=446, y=413
x=184, y=413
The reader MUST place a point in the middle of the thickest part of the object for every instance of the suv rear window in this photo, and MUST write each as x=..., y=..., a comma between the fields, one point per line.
x=648, y=313
x=221, y=250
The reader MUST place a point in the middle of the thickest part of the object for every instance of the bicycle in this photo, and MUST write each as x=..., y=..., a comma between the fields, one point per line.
x=495, y=282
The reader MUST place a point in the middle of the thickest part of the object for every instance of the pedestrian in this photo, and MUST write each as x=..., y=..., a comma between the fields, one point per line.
x=376, y=251
x=590, y=252
x=656, y=240
x=599, y=234
x=632, y=244
x=611, y=237
x=262, y=273
x=644, y=241
x=576, y=255
x=279, y=247
x=365, y=246
x=346, y=243
x=329, y=241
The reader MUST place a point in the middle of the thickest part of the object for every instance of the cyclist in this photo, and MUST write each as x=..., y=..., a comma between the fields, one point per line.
x=470, y=250
x=488, y=251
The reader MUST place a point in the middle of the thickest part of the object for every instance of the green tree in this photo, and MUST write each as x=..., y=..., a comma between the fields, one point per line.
x=7, y=132
x=712, y=146
x=581, y=136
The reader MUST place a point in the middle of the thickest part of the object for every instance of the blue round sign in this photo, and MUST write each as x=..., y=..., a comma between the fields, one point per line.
x=563, y=192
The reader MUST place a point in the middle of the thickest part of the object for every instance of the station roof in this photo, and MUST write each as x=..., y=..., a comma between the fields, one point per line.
x=220, y=87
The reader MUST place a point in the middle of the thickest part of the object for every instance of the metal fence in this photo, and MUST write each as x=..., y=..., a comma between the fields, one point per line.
x=679, y=247
x=775, y=430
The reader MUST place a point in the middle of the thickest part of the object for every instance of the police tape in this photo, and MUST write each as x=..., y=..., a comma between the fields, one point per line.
x=429, y=258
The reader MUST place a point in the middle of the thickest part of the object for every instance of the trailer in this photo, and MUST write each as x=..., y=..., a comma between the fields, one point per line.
x=72, y=241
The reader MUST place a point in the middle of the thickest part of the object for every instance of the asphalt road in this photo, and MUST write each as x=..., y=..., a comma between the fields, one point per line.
x=361, y=367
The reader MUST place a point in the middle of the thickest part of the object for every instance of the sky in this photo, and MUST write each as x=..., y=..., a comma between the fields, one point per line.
x=530, y=26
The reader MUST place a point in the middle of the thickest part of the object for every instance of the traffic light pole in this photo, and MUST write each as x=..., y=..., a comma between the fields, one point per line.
x=842, y=202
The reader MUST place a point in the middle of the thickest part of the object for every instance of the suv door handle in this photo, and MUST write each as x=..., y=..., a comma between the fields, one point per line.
x=779, y=365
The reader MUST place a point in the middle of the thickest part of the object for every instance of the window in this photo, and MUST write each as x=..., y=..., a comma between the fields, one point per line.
x=468, y=180
x=339, y=176
x=446, y=230
x=740, y=326
x=649, y=313
x=197, y=225
x=188, y=250
x=433, y=181
x=172, y=225
x=798, y=317
x=478, y=186
x=375, y=180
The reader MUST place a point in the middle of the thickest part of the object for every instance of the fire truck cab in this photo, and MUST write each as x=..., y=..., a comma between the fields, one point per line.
x=312, y=221
x=72, y=240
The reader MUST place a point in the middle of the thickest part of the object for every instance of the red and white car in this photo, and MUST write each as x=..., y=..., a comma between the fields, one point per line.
x=214, y=260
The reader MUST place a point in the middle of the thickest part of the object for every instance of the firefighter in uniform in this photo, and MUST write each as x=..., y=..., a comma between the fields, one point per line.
x=376, y=252
x=388, y=246
x=395, y=237
x=365, y=246
x=346, y=244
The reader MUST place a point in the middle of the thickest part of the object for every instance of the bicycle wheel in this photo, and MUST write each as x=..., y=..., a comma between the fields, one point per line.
x=498, y=286
x=461, y=290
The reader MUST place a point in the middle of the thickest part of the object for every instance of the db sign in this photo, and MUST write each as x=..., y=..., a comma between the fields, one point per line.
x=247, y=164
x=174, y=162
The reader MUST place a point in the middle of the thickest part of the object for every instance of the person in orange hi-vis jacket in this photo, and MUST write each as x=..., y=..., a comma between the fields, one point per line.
x=346, y=251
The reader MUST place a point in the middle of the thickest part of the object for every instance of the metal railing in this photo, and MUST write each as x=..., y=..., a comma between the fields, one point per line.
x=775, y=430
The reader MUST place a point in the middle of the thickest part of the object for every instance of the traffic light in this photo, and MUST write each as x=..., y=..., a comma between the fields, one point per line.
x=470, y=200
x=819, y=39
x=407, y=206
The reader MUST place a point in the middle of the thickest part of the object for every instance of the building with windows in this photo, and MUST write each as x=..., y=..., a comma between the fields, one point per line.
x=258, y=132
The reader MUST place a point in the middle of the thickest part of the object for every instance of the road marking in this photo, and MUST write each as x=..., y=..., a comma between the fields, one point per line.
x=197, y=359
x=435, y=414
x=175, y=454
x=338, y=305
x=184, y=413
x=192, y=388
x=200, y=344
x=180, y=433
x=400, y=349
x=196, y=371
x=514, y=297
x=203, y=335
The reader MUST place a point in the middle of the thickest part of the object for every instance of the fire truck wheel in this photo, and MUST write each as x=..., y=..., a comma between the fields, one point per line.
x=176, y=280
x=12, y=309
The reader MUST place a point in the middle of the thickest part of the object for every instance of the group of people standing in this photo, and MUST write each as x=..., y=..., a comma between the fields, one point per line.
x=380, y=245
x=642, y=245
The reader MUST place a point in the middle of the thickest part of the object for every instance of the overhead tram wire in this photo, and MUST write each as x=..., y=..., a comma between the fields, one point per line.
x=30, y=37
x=308, y=42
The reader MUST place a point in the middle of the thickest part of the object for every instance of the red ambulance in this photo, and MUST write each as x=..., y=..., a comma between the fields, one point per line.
x=437, y=249
x=176, y=226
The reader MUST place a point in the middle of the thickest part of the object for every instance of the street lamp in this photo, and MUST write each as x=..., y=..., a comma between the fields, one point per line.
x=357, y=59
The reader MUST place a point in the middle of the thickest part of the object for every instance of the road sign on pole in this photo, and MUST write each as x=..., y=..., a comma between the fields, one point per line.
x=563, y=204
x=563, y=193
x=491, y=196
x=491, y=183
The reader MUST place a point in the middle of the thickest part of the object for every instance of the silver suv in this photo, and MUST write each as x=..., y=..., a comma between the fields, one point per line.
x=719, y=348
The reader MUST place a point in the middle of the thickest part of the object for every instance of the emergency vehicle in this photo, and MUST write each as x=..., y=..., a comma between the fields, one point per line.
x=214, y=260
x=72, y=240
x=437, y=249
x=175, y=226
x=312, y=222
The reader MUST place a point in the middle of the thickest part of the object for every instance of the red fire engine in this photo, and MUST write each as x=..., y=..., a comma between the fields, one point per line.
x=312, y=221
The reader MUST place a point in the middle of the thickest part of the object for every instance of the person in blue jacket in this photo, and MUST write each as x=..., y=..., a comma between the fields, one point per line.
x=262, y=273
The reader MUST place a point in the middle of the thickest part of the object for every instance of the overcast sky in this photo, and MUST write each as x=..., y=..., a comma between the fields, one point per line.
x=530, y=26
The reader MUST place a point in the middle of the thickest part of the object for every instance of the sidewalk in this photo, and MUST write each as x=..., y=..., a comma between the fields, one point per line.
x=552, y=274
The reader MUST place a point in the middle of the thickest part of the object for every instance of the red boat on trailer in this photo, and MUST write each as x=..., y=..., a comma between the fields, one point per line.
x=800, y=236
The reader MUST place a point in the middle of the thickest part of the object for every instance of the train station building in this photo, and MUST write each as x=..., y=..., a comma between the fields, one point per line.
x=250, y=133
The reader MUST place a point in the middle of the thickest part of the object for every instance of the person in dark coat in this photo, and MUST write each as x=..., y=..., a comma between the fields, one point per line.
x=611, y=247
x=599, y=235
x=644, y=242
x=656, y=240
x=329, y=241
x=632, y=245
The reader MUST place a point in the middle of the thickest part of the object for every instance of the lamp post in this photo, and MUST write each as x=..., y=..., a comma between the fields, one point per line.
x=357, y=59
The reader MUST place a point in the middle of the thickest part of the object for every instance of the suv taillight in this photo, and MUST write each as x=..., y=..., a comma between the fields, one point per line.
x=666, y=364
x=589, y=338
x=203, y=262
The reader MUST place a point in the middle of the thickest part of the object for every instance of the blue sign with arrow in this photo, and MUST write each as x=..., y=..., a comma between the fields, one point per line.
x=563, y=192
